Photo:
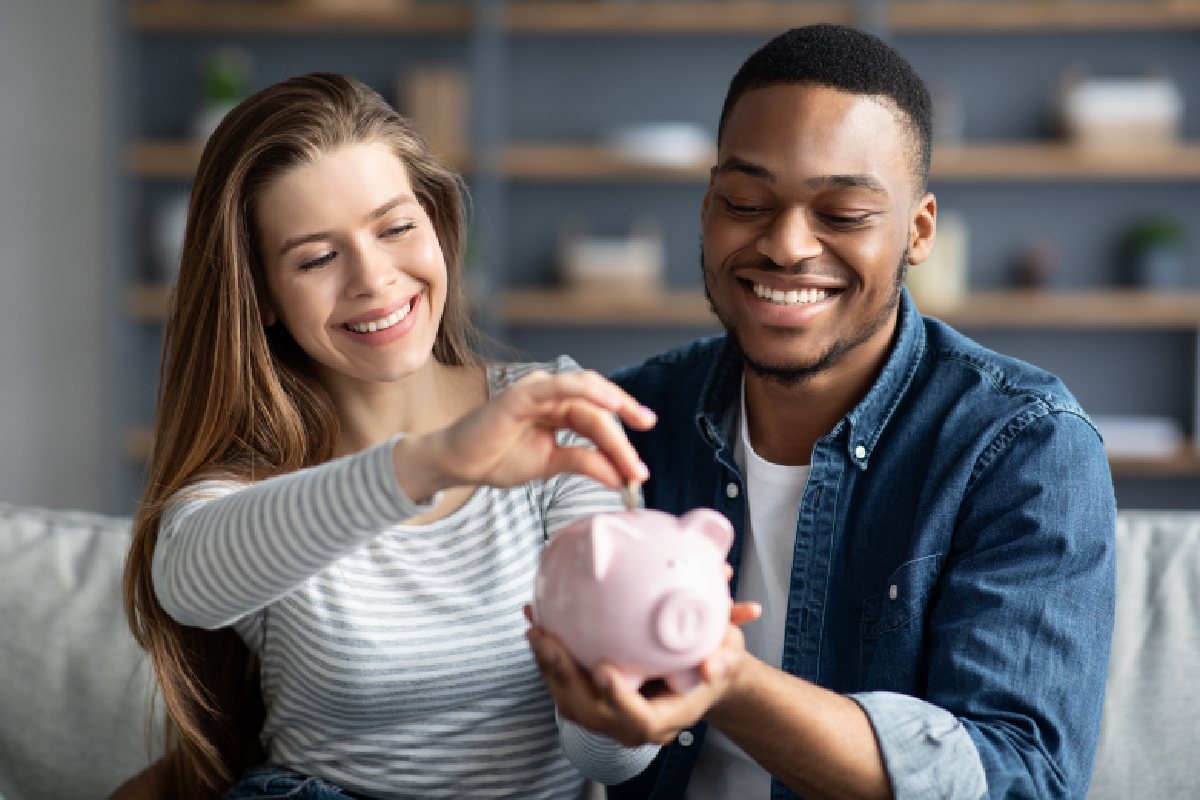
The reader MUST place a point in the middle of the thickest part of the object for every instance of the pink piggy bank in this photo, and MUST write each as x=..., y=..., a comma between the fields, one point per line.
x=643, y=589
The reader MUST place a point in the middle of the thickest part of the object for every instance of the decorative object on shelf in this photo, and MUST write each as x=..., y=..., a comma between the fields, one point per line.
x=1035, y=264
x=351, y=6
x=226, y=81
x=1154, y=254
x=941, y=280
x=666, y=144
x=630, y=264
x=168, y=222
x=437, y=98
x=1126, y=112
x=1140, y=437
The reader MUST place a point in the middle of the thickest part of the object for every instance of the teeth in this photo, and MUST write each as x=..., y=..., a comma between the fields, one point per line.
x=794, y=297
x=382, y=324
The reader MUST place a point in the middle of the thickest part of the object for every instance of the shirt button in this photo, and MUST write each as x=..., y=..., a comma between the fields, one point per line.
x=860, y=452
x=893, y=591
x=731, y=490
x=686, y=738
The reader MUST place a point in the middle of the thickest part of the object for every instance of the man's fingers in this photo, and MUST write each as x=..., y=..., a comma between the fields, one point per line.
x=743, y=612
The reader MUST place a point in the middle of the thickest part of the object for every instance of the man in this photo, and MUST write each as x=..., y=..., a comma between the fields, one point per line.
x=927, y=525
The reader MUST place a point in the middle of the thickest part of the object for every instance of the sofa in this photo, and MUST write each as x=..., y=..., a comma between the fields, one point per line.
x=77, y=714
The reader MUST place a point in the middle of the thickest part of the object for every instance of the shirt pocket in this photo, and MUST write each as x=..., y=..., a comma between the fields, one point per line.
x=892, y=626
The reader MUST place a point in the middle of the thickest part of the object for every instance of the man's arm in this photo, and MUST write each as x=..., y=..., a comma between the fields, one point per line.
x=1017, y=658
x=817, y=742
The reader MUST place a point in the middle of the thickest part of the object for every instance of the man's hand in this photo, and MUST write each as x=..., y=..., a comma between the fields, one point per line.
x=606, y=703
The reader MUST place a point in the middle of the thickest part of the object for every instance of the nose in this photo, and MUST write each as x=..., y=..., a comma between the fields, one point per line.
x=790, y=238
x=371, y=269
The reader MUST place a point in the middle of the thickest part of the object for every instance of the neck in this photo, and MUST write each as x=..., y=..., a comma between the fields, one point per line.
x=431, y=398
x=785, y=421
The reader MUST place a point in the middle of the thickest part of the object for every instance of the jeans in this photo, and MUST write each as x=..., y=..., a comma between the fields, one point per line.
x=275, y=783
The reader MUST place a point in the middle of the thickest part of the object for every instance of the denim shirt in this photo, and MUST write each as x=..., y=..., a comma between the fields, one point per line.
x=954, y=561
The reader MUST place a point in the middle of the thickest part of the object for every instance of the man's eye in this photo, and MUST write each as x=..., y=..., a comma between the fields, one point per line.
x=316, y=263
x=743, y=210
x=846, y=220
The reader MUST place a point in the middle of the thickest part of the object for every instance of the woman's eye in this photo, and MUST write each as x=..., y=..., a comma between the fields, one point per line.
x=318, y=262
x=399, y=230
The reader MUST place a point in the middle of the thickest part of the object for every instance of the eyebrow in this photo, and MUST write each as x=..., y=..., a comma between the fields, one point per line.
x=854, y=181
x=378, y=213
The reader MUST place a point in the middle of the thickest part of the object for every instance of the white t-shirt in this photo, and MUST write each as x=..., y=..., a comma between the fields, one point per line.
x=773, y=494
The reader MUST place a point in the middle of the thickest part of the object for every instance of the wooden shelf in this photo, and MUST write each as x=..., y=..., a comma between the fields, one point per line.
x=147, y=303
x=1033, y=161
x=177, y=160
x=584, y=162
x=1036, y=161
x=1089, y=310
x=588, y=17
x=162, y=159
x=1183, y=464
x=570, y=162
x=913, y=16
x=296, y=16
x=1078, y=310
x=748, y=16
x=554, y=308
x=999, y=16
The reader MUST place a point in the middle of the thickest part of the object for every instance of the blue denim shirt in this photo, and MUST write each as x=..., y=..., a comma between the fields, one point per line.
x=954, y=560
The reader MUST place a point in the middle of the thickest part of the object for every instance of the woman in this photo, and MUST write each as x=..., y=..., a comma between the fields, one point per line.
x=346, y=503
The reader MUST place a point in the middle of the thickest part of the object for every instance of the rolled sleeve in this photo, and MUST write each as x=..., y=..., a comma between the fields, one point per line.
x=927, y=752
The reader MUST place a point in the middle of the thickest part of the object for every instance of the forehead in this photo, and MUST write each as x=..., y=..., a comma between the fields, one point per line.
x=804, y=131
x=348, y=181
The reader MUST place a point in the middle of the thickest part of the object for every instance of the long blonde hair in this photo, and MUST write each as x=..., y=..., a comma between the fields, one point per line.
x=240, y=400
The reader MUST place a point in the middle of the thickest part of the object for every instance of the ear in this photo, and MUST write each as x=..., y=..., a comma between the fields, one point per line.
x=712, y=525
x=602, y=541
x=922, y=229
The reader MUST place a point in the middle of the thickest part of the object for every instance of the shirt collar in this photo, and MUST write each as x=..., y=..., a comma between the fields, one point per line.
x=716, y=416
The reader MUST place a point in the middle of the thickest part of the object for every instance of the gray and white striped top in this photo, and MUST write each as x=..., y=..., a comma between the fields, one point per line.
x=394, y=662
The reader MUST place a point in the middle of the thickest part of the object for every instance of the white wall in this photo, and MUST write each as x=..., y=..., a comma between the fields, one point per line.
x=55, y=302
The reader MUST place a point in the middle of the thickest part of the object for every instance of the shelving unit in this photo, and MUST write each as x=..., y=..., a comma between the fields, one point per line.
x=294, y=16
x=583, y=162
x=510, y=170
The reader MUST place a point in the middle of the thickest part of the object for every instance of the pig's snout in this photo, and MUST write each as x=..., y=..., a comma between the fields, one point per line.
x=684, y=620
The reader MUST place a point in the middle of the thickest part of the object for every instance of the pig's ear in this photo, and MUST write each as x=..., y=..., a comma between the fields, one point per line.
x=606, y=530
x=712, y=525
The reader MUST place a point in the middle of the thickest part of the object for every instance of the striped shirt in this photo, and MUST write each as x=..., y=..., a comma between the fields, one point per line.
x=394, y=662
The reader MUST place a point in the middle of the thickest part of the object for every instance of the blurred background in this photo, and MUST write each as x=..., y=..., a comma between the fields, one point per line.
x=1067, y=167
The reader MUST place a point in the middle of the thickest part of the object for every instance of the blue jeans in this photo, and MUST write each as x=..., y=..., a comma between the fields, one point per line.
x=275, y=783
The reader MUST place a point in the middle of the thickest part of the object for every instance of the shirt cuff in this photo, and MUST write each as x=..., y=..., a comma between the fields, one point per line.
x=926, y=750
x=600, y=758
x=406, y=506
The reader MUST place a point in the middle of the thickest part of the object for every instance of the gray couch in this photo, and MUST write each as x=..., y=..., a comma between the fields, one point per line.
x=75, y=690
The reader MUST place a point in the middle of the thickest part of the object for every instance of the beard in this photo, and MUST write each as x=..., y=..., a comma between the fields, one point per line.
x=789, y=375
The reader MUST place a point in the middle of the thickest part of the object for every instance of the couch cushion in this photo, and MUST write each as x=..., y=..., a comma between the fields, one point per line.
x=1152, y=707
x=75, y=689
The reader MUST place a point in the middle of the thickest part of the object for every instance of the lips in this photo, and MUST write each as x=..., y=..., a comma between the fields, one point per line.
x=375, y=321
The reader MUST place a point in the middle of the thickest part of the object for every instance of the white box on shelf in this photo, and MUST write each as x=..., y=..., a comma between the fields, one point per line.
x=1131, y=436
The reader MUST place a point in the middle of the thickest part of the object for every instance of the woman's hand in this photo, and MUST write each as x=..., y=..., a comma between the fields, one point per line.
x=511, y=439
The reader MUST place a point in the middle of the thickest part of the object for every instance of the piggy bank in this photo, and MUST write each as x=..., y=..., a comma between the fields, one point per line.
x=644, y=590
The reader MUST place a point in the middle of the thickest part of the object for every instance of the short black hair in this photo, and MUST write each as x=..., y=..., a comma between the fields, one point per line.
x=846, y=59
